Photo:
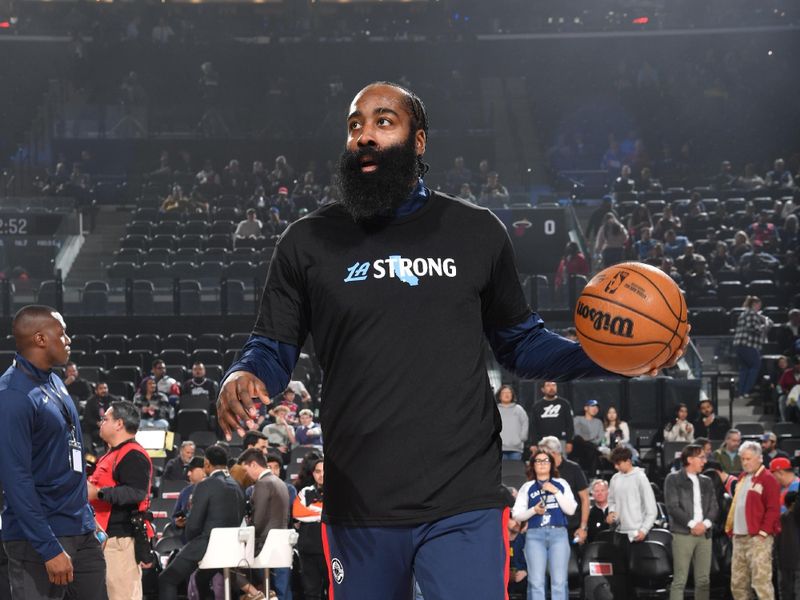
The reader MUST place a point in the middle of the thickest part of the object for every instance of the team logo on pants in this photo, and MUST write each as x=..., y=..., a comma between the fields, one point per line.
x=338, y=570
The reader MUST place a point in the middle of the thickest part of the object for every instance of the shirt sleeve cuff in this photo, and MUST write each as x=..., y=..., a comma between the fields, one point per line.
x=707, y=523
x=691, y=523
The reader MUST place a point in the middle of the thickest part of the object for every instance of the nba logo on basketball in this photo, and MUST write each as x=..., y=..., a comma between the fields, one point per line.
x=616, y=281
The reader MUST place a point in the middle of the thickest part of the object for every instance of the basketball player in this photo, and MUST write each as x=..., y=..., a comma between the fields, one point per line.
x=399, y=285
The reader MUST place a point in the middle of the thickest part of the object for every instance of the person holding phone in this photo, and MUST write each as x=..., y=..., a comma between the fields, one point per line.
x=544, y=502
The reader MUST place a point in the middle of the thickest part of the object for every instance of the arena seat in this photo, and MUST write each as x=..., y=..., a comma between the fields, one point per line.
x=195, y=227
x=139, y=241
x=123, y=389
x=125, y=373
x=650, y=569
x=123, y=270
x=750, y=430
x=236, y=300
x=134, y=255
x=173, y=356
x=46, y=294
x=81, y=341
x=139, y=228
x=163, y=241
x=205, y=356
x=158, y=255
x=170, y=228
x=143, y=297
x=145, y=341
x=203, y=439
x=212, y=341
x=189, y=420
x=178, y=341
x=785, y=429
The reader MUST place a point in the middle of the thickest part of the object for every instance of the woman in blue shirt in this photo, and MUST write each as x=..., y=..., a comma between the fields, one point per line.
x=545, y=501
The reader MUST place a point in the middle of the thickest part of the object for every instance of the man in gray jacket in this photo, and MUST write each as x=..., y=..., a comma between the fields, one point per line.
x=692, y=509
x=631, y=502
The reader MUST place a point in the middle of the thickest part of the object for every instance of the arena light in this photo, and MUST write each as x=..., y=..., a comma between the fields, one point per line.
x=641, y=20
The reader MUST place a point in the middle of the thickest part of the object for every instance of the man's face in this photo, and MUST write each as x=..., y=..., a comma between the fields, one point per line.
x=784, y=477
x=54, y=333
x=706, y=409
x=305, y=420
x=159, y=369
x=377, y=169
x=696, y=463
x=732, y=442
x=109, y=425
x=198, y=371
x=71, y=371
x=590, y=410
x=187, y=453
x=101, y=389
x=624, y=467
x=600, y=493
x=750, y=461
x=261, y=444
x=196, y=475
x=288, y=396
x=275, y=468
x=767, y=445
x=253, y=469
x=550, y=389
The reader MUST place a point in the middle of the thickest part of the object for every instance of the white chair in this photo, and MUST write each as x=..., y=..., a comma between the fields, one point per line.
x=276, y=553
x=229, y=547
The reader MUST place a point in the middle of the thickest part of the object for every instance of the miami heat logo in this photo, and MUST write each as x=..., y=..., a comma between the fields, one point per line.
x=616, y=281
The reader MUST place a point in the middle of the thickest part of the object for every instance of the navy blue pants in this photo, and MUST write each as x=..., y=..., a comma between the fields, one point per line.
x=464, y=556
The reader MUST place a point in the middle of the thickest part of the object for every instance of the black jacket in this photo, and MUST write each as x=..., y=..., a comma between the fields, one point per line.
x=218, y=501
x=679, y=500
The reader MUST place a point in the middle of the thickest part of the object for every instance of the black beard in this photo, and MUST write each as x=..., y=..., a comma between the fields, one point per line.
x=377, y=195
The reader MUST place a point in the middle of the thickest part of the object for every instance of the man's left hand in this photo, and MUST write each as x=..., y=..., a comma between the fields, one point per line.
x=640, y=535
x=580, y=534
x=698, y=529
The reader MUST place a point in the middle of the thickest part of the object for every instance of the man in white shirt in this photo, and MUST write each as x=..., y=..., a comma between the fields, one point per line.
x=692, y=507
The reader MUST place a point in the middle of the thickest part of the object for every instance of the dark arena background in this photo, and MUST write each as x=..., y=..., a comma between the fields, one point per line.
x=136, y=136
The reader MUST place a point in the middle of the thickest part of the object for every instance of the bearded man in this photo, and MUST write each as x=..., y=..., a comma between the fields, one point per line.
x=399, y=285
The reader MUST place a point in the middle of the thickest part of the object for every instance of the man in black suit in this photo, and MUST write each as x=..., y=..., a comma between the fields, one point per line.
x=217, y=501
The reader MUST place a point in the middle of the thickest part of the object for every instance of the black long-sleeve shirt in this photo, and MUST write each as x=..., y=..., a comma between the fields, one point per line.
x=551, y=417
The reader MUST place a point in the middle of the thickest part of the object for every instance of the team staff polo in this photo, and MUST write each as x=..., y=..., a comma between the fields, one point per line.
x=390, y=307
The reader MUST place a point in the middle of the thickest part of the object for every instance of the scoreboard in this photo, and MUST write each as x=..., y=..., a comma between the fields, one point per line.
x=539, y=236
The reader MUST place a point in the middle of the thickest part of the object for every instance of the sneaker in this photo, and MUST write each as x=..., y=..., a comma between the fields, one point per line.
x=254, y=596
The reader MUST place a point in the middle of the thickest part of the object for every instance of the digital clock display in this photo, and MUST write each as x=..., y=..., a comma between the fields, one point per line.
x=14, y=225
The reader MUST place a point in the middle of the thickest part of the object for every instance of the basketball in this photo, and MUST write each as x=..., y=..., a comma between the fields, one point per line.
x=630, y=318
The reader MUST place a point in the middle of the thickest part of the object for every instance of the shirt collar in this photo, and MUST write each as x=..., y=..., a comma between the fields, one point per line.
x=32, y=370
x=416, y=200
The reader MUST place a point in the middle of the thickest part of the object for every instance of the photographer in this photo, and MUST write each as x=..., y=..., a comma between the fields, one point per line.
x=119, y=490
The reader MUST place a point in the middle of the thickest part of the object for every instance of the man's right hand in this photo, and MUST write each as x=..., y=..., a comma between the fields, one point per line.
x=235, y=402
x=59, y=569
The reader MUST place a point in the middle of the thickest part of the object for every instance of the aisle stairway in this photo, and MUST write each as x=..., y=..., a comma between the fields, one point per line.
x=97, y=251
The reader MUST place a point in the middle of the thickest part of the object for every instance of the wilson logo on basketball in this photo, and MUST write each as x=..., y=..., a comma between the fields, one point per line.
x=605, y=321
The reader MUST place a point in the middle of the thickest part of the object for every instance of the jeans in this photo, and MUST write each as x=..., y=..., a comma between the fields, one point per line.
x=547, y=547
x=749, y=367
x=509, y=455
x=282, y=583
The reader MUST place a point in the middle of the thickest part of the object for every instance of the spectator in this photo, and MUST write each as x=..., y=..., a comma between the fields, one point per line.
x=465, y=193
x=612, y=158
x=545, y=502
x=518, y=567
x=748, y=339
x=551, y=416
x=753, y=521
x=588, y=426
x=194, y=474
x=789, y=549
x=233, y=179
x=721, y=260
x=307, y=509
x=275, y=225
x=217, y=501
x=79, y=389
x=282, y=175
x=610, y=241
x=780, y=176
x=118, y=489
x=282, y=202
x=175, y=469
x=647, y=183
x=165, y=384
x=685, y=262
x=727, y=455
x=757, y=260
x=725, y=179
x=769, y=449
x=200, y=385
x=287, y=400
x=269, y=500
x=631, y=503
x=616, y=431
x=698, y=281
x=299, y=389
x=577, y=523
x=741, y=245
x=280, y=434
x=674, y=244
x=458, y=176
x=644, y=245
x=514, y=432
x=599, y=511
x=251, y=227
x=573, y=262
x=788, y=334
x=781, y=469
x=727, y=480
x=692, y=508
x=599, y=216
x=679, y=429
x=494, y=194
x=252, y=439
x=708, y=424
x=750, y=180
x=309, y=433
x=667, y=221
x=153, y=405
x=765, y=231
x=93, y=412
x=624, y=184
x=638, y=220
x=788, y=381
x=162, y=32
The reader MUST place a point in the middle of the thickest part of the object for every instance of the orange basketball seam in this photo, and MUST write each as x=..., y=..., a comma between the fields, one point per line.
x=650, y=281
x=626, y=307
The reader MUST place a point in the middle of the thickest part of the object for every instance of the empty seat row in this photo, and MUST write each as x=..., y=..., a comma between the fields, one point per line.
x=178, y=228
x=167, y=256
x=195, y=241
x=149, y=341
x=242, y=270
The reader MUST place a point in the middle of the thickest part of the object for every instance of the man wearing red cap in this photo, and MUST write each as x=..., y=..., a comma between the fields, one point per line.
x=781, y=468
